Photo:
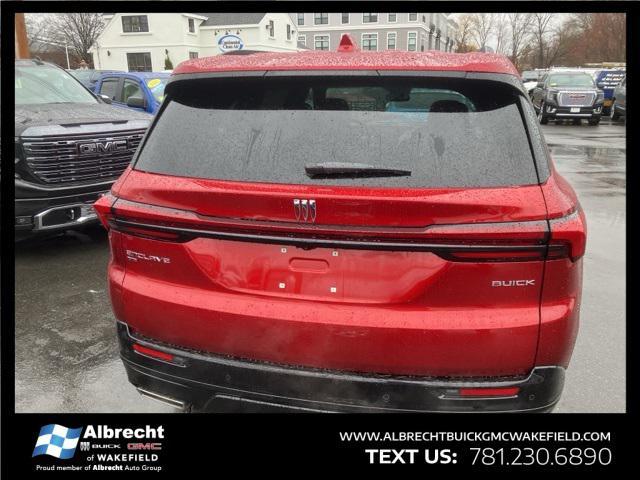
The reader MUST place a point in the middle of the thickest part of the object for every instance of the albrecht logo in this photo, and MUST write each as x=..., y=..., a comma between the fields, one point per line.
x=57, y=441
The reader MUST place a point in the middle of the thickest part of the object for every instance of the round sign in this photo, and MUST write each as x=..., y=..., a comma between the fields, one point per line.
x=230, y=43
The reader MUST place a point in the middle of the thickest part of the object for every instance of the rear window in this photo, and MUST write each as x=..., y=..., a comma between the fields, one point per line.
x=437, y=132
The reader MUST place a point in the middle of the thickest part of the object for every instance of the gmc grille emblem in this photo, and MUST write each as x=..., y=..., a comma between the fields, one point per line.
x=305, y=210
x=102, y=147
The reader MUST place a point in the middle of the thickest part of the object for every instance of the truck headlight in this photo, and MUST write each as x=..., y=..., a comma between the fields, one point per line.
x=551, y=95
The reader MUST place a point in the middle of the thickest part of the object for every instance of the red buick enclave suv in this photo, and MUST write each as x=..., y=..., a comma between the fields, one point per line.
x=346, y=231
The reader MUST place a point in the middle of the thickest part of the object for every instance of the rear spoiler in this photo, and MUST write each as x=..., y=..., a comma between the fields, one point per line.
x=504, y=78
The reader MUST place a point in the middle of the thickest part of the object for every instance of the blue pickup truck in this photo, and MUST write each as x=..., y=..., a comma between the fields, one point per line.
x=141, y=91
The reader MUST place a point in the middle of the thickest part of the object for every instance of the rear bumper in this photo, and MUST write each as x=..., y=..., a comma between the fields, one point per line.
x=205, y=382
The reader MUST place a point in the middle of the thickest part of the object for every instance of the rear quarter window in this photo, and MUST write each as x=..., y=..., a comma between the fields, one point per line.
x=446, y=133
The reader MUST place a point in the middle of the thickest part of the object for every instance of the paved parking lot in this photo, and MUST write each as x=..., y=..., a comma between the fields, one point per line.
x=67, y=355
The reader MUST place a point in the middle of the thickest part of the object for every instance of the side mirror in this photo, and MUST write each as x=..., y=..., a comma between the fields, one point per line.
x=136, y=102
x=104, y=98
x=600, y=85
x=540, y=85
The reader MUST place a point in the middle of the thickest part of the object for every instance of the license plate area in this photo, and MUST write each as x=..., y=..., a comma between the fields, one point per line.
x=321, y=274
x=575, y=109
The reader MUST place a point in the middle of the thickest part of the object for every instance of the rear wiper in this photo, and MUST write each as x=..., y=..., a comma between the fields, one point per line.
x=347, y=169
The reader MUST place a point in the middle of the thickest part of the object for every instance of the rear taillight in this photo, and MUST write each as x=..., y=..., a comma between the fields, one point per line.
x=103, y=207
x=493, y=242
x=568, y=236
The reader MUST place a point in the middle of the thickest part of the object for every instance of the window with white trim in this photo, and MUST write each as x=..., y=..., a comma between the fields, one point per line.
x=412, y=40
x=369, y=18
x=345, y=18
x=192, y=25
x=193, y=55
x=301, y=19
x=413, y=17
x=391, y=40
x=139, y=62
x=321, y=42
x=302, y=39
x=392, y=17
x=272, y=32
x=288, y=32
x=370, y=41
x=320, y=18
x=135, y=24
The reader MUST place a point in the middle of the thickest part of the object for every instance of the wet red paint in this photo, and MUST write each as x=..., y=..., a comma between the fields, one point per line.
x=351, y=60
x=431, y=313
x=339, y=308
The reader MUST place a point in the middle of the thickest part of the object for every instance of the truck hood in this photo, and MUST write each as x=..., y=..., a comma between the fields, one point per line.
x=75, y=114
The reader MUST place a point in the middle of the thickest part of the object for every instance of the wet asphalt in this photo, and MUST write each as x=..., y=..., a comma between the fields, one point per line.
x=66, y=351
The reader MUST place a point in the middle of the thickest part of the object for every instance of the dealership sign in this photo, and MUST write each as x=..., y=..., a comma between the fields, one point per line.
x=230, y=43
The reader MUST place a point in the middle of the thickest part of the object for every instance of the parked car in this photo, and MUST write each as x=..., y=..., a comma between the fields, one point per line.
x=563, y=95
x=608, y=79
x=89, y=77
x=530, y=79
x=70, y=148
x=288, y=238
x=619, y=100
x=143, y=91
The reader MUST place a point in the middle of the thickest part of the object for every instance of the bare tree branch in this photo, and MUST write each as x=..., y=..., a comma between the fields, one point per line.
x=519, y=26
x=78, y=30
x=482, y=27
x=542, y=27
x=463, y=34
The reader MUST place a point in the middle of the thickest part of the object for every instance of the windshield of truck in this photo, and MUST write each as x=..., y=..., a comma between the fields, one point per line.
x=571, y=80
x=39, y=84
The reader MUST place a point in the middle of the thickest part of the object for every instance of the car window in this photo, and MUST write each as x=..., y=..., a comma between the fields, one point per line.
x=445, y=132
x=156, y=85
x=109, y=87
x=131, y=88
x=38, y=84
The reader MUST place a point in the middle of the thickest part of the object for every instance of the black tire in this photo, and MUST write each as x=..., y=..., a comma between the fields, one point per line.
x=542, y=118
x=615, y=116
x=594, y=121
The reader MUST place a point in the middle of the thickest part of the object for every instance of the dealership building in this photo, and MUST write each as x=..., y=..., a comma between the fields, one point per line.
x=143, y=41
x=377, y=31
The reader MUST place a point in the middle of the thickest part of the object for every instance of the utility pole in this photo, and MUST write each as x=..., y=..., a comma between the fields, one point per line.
x=22, y=42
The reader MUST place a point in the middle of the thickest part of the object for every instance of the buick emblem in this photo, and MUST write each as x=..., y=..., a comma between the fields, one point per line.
x=305, y=210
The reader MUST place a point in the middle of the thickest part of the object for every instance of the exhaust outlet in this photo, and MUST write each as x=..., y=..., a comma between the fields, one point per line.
x=163, y=399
